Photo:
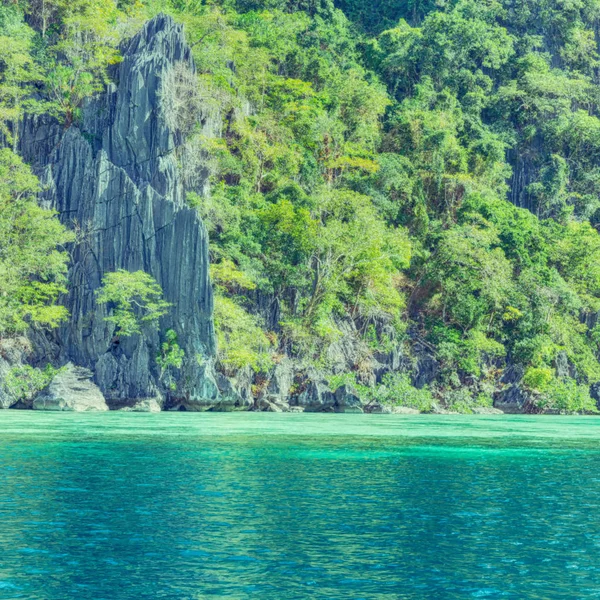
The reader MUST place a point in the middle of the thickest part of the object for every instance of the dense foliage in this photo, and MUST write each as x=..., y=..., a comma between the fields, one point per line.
x=135, y=298
x=32, y=263
x=406, y=171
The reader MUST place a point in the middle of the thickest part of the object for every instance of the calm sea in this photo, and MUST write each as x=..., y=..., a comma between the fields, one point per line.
x=124, y=506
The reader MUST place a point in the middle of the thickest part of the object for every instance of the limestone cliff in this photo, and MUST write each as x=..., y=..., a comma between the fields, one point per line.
x=114, y=177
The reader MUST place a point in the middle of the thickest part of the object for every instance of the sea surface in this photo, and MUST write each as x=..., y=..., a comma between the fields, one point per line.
x=282, y=506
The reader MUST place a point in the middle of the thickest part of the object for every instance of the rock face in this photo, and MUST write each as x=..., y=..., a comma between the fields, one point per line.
x=282, y=379
x=150, y=405
x=347, y=400
x=316, y=396
x=114, y=177
x=71, y=390
x=513, y=399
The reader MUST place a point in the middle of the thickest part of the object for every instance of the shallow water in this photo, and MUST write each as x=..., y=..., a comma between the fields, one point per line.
x=280, y=506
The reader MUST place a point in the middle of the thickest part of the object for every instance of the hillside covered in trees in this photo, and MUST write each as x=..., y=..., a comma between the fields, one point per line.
x=402, y=197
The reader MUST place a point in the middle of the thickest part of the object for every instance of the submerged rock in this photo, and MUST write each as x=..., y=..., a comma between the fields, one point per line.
x=71, y=390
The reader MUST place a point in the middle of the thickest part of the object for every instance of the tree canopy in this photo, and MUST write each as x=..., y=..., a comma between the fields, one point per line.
x=412, y=170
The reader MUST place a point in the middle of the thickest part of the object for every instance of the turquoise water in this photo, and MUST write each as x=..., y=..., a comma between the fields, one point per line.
x=275, y=507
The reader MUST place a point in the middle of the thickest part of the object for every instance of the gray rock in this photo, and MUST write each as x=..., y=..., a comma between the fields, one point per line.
x=267, y=406
x=115, y=178
x=347, y=400
x=71, y=390
x=564, y=366
x=513, y=400
x=595, y=393
x=281, y=381
x=426, y=370
x=276, y=396
x=347, y=350
x=208, y=397
x=234, y=393
x=396, y=361
x=376, y=408
x=150, y=405
x=316, y=396
x=513, y=374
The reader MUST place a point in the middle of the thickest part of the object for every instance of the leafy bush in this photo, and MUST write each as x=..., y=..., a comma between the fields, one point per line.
x=241, y=341
x=171, y=357
x=32, y=264
x=337, y=381
x=460, y=400
x=567, y=397
x=397, y=390
x=136, y=298
x=25, y=382
x=538, y=379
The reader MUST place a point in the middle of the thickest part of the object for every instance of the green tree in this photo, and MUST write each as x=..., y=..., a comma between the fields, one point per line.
x=19, y=72
x=33, y=265
x=170, y=357
x=135, y=299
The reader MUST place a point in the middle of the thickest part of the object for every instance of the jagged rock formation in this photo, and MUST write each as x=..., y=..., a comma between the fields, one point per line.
x=71, y=390
x=114, y=177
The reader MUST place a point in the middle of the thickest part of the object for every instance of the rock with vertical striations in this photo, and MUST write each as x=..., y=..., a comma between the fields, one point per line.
x=115, y=178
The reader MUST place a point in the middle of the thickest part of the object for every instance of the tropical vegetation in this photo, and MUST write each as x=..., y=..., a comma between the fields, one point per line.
x=409, y=171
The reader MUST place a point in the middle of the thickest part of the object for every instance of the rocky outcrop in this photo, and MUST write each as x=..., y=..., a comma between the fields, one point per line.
x=278, y=389
x=316, y=395
x=347, y=400
x=149, y=405
x=426, y=368
x=114, y=178
x=71, y=390
x=513, y=398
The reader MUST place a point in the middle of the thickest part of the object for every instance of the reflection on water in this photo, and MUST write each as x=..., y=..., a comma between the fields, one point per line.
x=132, y=506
